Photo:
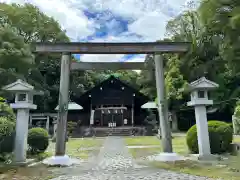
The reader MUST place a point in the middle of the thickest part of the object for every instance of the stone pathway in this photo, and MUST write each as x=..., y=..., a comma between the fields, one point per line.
x=142, y=147
x=115, y=163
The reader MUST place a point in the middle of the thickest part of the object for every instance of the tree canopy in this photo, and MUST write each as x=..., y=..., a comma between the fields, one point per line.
x=15, y=56
x=213, y=32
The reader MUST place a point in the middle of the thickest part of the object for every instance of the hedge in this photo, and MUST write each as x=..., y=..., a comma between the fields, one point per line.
x=220, y=136
x=38, y=140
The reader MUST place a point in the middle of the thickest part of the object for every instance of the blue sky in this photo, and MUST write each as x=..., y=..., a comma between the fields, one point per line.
x=111, y=21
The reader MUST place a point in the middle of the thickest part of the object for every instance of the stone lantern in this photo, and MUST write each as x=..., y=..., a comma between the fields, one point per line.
x=24, y=93
x=54, y=127
x=199, y=99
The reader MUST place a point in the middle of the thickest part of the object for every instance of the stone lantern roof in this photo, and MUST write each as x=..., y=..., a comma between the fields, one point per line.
x=149, y=105
x=202, y=83
x=21, y=86
x=72, y=106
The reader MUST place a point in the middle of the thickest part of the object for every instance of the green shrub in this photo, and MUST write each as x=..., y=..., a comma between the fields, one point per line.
x=39, y=156
x=220, y=136
x=38, y=140
x=7, y=135
x=230, y=124
x=6, y=111
x=151, y=124
x=70, y=127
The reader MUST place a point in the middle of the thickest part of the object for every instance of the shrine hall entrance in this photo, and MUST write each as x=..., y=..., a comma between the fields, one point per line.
x=112, y=116
x=112, y=120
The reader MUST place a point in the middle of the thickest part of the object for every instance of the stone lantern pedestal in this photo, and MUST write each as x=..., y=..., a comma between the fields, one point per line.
x=24, y=93
x=199, y=99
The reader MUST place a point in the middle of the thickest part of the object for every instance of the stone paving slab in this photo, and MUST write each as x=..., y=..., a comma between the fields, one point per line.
x=141, y=175
x=114, y=162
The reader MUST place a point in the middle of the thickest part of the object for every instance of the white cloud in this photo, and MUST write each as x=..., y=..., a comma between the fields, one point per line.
x=110, y=58
x=150, y=16
x=123, y=37
x=133, y=8
x=148, y=19
x=151, y=26
x=71, y=19
x=101, y=57
x=138, y=58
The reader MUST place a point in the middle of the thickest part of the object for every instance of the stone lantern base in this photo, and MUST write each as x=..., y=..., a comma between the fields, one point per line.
x=210, y=157
x=166, y=157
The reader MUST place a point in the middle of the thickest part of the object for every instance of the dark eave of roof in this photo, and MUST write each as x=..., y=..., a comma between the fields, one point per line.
x=85, y=96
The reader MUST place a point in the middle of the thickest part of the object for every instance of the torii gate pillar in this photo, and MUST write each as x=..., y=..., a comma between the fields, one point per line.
x=60, y=157
x=162, y=105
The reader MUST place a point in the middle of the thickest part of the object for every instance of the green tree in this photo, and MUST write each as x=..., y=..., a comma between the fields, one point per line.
x=34, y=26
x=147, y=80
x=15, y=56
x=204, y=58
x=222, y=20
x=31, y=23
x=175, y=86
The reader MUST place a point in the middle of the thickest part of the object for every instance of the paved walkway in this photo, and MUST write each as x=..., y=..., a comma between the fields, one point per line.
x=115, y=163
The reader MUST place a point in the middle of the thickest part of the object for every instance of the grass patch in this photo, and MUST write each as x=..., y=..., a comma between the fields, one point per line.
x=179, y=146
x=80, y=148
x=225, y=169
x=228, y=169
x=40, y=172
x=236, y=139
x=142, y=141
x=74, y=148
x=179, y=143
x=84, y=142
x=143, y=152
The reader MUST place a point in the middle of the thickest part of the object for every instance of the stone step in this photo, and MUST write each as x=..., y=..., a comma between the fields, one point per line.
x=103, y=132
x=116, y=132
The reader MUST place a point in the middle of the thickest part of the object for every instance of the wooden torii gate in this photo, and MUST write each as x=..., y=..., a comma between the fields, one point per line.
x=156, y=48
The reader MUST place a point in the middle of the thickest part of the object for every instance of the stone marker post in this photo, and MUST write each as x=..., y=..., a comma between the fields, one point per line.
x=23, y=103
x=199, y=99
